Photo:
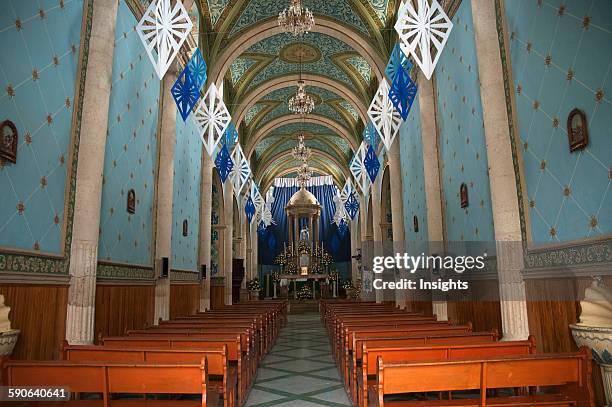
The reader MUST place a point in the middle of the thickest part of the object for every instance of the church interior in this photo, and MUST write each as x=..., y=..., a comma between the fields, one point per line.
x=302, y=203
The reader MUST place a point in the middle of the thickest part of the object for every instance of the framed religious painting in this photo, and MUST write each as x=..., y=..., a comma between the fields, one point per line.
x=131, y=201
x=8, y=141
x=463, y=195
x=415, y=224
x=577, y=132
x=185, y=227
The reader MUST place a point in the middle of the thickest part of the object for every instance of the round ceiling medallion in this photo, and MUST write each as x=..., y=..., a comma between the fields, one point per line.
x=291, y=53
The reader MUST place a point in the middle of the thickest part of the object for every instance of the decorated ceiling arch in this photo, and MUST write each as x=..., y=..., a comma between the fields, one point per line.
x=340, y=60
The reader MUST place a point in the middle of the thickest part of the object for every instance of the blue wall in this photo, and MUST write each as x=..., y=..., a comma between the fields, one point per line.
x=568, y=193
x=462, y=146
x=131, y=150
x=186, y=199
x=38, y=75
x=413, y=178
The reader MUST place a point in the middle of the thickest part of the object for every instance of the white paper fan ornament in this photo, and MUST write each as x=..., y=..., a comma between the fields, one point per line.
x=212, y=119
x=241, y=172
x=357, y=168
x=422, y=31
x=385, y=118
x=163, y=28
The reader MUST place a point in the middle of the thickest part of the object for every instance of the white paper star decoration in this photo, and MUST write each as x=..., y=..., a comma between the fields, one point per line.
x=340, y=214
x=212, y=118
x=383, y=115
x=241, y=172
x=357, y=168
x=422, y=31
x=347, y=190
x=266, y=213
x=256, y=197
x=162, y=29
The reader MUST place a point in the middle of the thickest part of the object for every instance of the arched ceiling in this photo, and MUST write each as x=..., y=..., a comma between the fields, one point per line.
x=342, y=59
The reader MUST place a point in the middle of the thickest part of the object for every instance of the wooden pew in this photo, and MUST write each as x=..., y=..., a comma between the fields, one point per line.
x=221, y=377
x=449, y=351
x=234, y=352
x=113, y=377
x=567, y=375
x=391, y=339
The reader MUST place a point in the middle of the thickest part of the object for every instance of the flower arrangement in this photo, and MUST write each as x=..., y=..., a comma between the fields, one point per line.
x=253, y=285
x=347, y=285
x=333, y=276
x=305, y=293
x=276, y=277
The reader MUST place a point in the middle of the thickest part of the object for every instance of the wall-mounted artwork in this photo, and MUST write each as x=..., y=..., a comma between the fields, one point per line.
x=131, y=201
x=8, y=141
x=415, y=224
x=577, y=132
x=185, y=227
x=463, y=194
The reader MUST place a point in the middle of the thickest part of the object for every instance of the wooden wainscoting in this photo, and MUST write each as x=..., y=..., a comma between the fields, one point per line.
x=184, y=299
x=39, y=311
x=123, y=307
x=484, y=314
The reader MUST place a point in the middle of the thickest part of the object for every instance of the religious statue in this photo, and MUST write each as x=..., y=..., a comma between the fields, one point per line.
x=305, y=234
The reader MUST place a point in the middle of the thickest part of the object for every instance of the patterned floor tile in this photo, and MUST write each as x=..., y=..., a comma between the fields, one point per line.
x=300, y=370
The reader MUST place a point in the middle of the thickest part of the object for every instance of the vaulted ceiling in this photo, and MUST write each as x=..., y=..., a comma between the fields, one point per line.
x=341, y=61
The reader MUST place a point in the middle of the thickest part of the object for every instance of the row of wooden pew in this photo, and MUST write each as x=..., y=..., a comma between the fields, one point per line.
x=207, y=359
x=390, y=357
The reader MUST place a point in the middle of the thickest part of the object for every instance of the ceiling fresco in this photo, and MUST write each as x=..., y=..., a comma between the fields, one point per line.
x=258, y=75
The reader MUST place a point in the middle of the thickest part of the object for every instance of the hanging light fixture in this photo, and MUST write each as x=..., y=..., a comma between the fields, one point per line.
x=301, y=102
x=301, y=152
x=295, y=19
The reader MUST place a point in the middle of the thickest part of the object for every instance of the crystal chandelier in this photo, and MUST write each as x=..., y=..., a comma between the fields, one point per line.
x=304, y=174
x=301, y=152
x=295, y=19
x=301, y=103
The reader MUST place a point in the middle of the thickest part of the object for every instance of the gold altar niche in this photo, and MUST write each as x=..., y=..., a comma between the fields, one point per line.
x=304, y=256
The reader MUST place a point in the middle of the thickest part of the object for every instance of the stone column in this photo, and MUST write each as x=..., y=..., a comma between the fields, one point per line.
x=255, y=247
x=311, y=229
x=228, y=208
x=296, y=230
x=205, y=227
x=431, y=173
x=504, y=196
x=355, y=244
x=164, y=192
x=84, y=248
x=397, y=210
x=376, y=232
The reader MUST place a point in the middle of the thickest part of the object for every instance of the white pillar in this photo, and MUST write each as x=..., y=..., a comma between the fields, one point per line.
x=504, y=196
x=228, y=242
x=205, y=228
x=164, y=191
x=84, y=249
x=431, y=174
x=397, y=210
x=376, y=231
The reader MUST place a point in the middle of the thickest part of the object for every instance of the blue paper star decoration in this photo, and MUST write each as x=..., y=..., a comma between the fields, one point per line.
x=371, y=163
x=231, y=136
x=185, y=93
x=224, y=163
x=352, y=205
x=249, y=209
x=370, y=135
x=402, y=93
x=398, y=61
x=342, y=228
x=197, y=68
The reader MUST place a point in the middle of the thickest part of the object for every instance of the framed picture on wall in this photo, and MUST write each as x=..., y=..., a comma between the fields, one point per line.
x=577, y=132
x=8, y=141
x=131, y=201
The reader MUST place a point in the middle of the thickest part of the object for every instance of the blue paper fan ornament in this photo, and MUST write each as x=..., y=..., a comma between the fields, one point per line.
x=342, y=229
x=370, y=135
x=397, y=61
x=224, y=163
x=352, y=205
x=185, y=93
x=197, y=68
x=249, y=209
x=371, y=163
x=402, y=93
x=230, y=138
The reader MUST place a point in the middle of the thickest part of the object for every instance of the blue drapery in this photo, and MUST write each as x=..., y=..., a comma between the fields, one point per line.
x=271, y=242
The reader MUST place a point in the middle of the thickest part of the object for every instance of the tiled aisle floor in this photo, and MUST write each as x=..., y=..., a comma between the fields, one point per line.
x=299, y=371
